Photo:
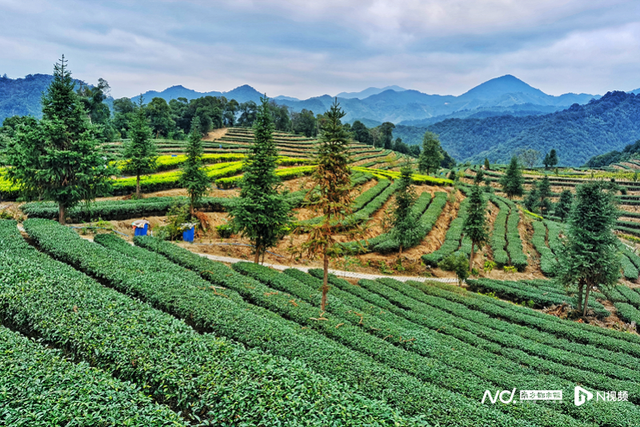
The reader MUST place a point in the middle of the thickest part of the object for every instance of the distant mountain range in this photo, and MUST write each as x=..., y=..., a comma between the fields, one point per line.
x=577, y=133
x=491, y=120
x=499, y=96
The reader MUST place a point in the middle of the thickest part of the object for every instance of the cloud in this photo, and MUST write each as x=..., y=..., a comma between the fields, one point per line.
x=302, y=48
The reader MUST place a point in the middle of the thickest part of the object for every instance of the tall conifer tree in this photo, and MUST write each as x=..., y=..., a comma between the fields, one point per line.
x=431, y=155
x=59, y=158
x=194, y=178
x=405, y=227
x=261, y=213
x=590, y=257
x=333, y=178
x=475, y=224
x=512, y=181
x=140, y=153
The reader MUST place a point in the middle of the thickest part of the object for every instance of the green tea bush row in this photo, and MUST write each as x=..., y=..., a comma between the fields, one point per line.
x=511, y=347
x=284, y=174
x=498, y=238
x=40, y=387
x=548, y=262
x=451, y=239
x=355, y=368
x=629, y=294
x=220, y=382
x=523, y=293
x=628, y=313
x=514, y=243
x=426, y=220
x=629, y=270
x=459, y=375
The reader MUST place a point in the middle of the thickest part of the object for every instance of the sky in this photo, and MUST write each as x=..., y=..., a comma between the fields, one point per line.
x=305, y=48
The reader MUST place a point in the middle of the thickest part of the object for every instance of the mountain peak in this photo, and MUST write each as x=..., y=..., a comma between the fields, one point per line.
x=500, y=86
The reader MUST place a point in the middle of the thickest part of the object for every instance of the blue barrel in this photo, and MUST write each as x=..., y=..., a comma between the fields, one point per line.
x=139, y=231
x=188, y=235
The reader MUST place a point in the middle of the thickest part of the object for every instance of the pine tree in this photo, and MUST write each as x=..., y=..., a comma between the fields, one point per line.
x=405, y=229
x=475, y=225
x=140, y=153
x=59, y=158
x=193, y=177
x=546, y=162
x=563, y=207
x=532, y=201
x=479, y=178
x=553, y=157
x=544, y=194
x=590, y=257
x=261, y=213
x=487, y=165
x=333, y=179
x=512, y=181
x=431, y=155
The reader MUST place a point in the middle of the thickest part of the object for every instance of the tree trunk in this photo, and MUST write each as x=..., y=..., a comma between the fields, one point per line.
x=62, y=213
x=586, y=301
x=257, y=258
x=138, y=186
x=191, y=206
x=471, y=258
x=580, y=286
x=400, y=249
x=325, y=283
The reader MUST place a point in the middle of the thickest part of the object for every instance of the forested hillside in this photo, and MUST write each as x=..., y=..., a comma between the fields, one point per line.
x=577, y=133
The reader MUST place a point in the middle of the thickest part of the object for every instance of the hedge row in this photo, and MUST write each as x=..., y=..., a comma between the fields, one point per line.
x=284, y=174
x=41, y=387
x=451, y=239
x=121, y=209
x=356, y=367
x=629, y=294
x=211, y=378
x=629, y=270
x=417, y=178
x=524, y=293
x=425, y=223
x=509, y=349
x=459, y=373
x=514, y=243
x=169, y=180
x=548, y=262
x=498, y=236
x=554, y=287
x=628, y=313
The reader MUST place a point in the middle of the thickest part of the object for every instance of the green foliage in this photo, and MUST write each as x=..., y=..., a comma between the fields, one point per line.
x=563, y=206
x=140, y=153
x=40, y=384
x=479, y=178
x=457, y=262
x=261, y=213
x=196, y=373
x=112, y=210
x=451, y=240
x=405, y=230
x=59, y=157
x=431, y=155
x=532, y=200
x=488, y=266
x=512, y=180
x=548, y=263
x=194, y=178
x=523, y=292
x=590, y=258
x=475, y=226
x=177, y=215
x=487, y=165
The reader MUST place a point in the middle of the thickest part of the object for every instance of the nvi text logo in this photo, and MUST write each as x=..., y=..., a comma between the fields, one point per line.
x=581, y=396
